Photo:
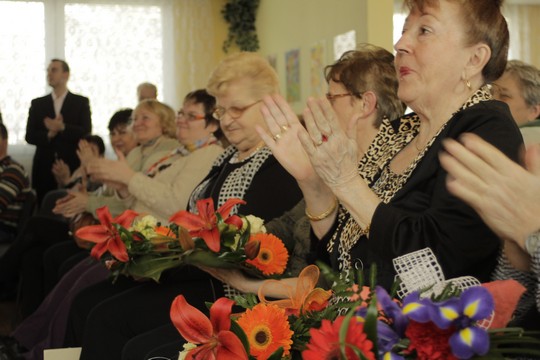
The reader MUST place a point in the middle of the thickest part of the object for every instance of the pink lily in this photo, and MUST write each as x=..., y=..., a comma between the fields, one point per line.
x=214, y=336
x=204, y=225
x=106, y=236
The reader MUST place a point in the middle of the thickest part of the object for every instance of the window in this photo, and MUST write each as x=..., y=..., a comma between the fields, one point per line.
x=110, y=48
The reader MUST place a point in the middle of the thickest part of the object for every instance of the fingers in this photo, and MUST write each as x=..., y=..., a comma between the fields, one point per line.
x=461, y=182
x=120, y=155
x=492, y=160
x=311, y=126
x=320, y=120
x=278, y=115
x=471, y=166
x=268, y=139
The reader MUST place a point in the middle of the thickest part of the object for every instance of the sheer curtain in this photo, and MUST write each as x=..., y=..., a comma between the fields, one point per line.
x=111, y=47
x=524, y=24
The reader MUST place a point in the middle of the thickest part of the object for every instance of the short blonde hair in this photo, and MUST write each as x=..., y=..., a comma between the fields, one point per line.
x=167, y=116
x=244, y=65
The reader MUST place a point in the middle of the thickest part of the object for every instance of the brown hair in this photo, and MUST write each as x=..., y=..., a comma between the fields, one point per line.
x=369, y=68
x=244, y=65
x=483, y=23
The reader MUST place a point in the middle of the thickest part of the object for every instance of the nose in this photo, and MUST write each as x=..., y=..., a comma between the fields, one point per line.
x=226, y=119
x=402, y=45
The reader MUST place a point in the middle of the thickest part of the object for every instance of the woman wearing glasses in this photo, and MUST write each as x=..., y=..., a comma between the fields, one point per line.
x=247, y=170
x=161, y=190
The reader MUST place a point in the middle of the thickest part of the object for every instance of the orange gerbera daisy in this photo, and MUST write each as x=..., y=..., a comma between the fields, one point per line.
x=267, y=329
x=272, y=257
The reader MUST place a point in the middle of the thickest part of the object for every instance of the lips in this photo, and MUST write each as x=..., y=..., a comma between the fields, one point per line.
x=403, y=71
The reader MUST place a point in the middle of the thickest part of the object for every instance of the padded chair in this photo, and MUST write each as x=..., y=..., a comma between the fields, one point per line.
x=49, y=202
x=28, y=209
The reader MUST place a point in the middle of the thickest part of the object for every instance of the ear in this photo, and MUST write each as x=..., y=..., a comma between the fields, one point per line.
x=479, y=57
x=534, y=112
x=370, y=103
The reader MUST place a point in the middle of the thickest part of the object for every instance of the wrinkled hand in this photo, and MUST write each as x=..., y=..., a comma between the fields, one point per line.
x=282, y=137
x=332, y=151
x=110, y=171
x=61, y=172
x=86, y=153
x=503, y=193
x=71, y=204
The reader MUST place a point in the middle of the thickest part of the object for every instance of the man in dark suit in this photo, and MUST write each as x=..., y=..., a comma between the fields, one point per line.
x=56, y=123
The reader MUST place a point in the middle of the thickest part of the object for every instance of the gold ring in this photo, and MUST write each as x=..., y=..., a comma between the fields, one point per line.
x=284, y=128
x=276, y=137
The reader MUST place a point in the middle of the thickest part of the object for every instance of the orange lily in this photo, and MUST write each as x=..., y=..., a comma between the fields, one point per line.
x=304, y=298
x=204, y=225
x=106, y=235
x=214, y=335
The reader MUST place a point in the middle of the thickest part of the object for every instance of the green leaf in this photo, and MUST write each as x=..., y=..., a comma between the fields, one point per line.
x=151, y=267
x=238, y=331
x=370, y=321
x=276, y=355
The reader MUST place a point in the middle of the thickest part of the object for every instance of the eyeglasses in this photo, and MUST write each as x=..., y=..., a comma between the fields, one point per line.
x=234, y=111
x=331, y=97
x=190, y=116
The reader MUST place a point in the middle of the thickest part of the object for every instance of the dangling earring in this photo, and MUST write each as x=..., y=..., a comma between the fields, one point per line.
x=468, y=83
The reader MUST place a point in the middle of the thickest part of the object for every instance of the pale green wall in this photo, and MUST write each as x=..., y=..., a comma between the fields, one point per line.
x=283, y=25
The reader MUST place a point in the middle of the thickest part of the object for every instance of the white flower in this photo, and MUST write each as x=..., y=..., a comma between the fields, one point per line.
x=256, y=223
x=187, y=346
x=145, y=226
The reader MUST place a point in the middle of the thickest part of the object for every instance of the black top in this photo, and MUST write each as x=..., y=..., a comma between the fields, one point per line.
x=424, y=214
x=271, y=191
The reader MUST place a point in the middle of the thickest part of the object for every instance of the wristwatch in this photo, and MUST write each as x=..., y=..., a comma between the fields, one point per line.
x=532, y=243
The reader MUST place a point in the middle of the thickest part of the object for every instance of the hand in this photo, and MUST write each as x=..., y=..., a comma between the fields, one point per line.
x=503, y=193
x=332, y=151
x=86, y=153
x=232, y=277
x=282, y=137
x=106, y=170
x=61, y=172
x=71, y=204
x=54, y=125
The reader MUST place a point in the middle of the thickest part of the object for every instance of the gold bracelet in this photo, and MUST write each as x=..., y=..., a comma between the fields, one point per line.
x=325, y=214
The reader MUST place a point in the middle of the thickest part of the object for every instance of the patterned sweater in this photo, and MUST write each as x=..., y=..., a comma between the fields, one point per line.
x=14, y=185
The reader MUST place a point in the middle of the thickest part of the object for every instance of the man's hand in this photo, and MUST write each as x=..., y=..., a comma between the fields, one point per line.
x=54, y=126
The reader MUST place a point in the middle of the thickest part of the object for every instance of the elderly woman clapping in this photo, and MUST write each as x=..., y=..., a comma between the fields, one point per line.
x=448, y=52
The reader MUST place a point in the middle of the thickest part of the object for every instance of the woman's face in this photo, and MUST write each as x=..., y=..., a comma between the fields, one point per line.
x=431, y=55
x=508, y=89
x=123, y=139
x=146, y=125
x=240, y=130
x=346, y=107
x=191, y=125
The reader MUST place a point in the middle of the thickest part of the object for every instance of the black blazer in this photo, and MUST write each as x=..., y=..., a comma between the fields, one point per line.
x=76, y=114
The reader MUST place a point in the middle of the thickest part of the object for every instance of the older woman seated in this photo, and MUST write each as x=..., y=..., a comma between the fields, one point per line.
x=165, y=185
x=247, y=169
x=519, y=87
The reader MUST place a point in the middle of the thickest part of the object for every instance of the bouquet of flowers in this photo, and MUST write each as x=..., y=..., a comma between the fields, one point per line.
x=353, y=321
x=141, y=247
